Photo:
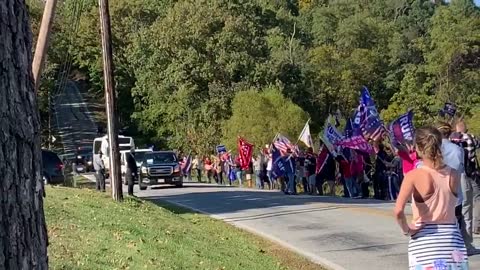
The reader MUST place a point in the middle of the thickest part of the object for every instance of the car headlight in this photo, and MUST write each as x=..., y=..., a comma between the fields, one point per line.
x=144, y=169
x=79, y=157
x=89, y=163
x=176, y=169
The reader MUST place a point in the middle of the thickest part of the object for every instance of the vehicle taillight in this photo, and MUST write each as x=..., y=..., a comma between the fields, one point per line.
x=60, y=166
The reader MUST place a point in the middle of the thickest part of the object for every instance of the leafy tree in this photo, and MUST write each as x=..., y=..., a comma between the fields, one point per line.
x=187, y=73
x=259, y=115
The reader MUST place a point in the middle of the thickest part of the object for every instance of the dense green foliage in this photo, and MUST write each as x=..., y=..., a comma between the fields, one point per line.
x=181, y=64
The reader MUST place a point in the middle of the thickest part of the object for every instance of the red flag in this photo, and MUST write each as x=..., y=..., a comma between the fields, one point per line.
x=245, y=151
x=322, y=159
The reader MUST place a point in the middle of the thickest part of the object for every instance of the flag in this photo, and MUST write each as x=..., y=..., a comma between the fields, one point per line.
x=449, y=109
x=402, y=129
x=322, y=159
x=245, y=152
x=305, y=136
x=278, y=166
x=356, y=142
x=282, y=144
x=187, y=165
x=370, y=123
x=348, y=131
x=221, y=149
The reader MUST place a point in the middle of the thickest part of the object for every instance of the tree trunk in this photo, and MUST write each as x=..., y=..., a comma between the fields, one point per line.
x=23, y=233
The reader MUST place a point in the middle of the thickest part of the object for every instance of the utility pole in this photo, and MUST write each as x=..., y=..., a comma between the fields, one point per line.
x=42, y=41
x=110, y=101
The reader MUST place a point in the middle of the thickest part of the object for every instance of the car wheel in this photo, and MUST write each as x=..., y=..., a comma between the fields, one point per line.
x=179, y=185
x=143, y=187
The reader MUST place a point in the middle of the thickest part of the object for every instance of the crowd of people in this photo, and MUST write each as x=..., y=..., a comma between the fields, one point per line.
x=438, y=173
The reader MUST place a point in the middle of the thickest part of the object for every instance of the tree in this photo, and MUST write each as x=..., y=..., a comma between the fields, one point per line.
x=188, y=73
x=259, y=115
x=23, y=233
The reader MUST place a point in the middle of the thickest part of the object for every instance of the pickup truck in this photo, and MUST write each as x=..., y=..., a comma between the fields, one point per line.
x=160, y=167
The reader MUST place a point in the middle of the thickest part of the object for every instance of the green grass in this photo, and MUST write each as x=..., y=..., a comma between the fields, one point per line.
x=87, y=230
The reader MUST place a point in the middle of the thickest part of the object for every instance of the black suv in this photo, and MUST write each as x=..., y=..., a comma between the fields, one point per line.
x=52, y=168
x=160, y=167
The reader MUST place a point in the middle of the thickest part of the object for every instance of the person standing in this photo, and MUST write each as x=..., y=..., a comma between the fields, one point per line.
x=435, y=239
x=301, y=173
x=269, y=172
x=379, y=178
x=470, y=187
x=248, y=174
x=257, y=168
x=310, y=167
x=99, y=168
x=238, y=171
x=290, y=173
x=357, y=170
x=131, y=171
x=208, y=169
x=197, y=165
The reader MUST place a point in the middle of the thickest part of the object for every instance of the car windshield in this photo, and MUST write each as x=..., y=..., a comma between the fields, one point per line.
x=139, y=156
x=159, y=158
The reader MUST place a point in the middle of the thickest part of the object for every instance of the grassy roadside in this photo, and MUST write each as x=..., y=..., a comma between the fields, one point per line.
x=87, y=230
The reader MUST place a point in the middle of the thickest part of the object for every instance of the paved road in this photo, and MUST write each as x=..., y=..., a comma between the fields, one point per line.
x=74, y=122
x=336, y=232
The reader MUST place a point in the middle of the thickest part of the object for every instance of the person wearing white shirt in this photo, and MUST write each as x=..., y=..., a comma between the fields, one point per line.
x=453, y=156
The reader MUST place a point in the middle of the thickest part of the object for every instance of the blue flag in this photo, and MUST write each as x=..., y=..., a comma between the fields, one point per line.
x=278, y=165
x=402, y=129
x=370, y=122
x=348, y=131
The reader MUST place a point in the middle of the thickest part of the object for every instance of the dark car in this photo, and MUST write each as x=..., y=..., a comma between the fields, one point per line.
x=52, y=168
x=84, y=159
x=160, y=167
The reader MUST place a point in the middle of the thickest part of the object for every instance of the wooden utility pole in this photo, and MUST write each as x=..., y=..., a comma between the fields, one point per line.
x=110, y=101
x=42, y=41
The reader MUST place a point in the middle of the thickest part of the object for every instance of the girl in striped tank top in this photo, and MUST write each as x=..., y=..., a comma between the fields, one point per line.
x=435, y=240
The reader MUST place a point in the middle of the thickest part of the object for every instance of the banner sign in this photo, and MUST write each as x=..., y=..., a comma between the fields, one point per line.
x=331, y=136
x=402, y=129
x=221, y=149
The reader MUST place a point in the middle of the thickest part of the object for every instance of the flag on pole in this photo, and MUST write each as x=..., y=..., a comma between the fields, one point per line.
x=356, y=142
x=305, y=136
x=282, y=144
x=278, y=165
x=322, y=159
x=245, y=152
x=402, y=129
x=187, y=165
x=370, y=123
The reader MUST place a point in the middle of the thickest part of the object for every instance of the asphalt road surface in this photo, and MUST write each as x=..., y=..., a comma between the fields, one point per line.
x=74, y=122
x=336, y=232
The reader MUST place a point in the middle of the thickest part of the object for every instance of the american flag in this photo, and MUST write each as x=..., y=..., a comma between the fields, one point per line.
x=371, y=125
x=282, y=143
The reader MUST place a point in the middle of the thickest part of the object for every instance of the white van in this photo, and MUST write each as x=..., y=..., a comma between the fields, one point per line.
x=125, y=143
